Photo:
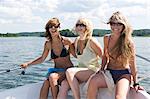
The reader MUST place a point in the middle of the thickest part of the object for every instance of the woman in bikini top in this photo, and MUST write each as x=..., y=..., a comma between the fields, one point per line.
x=119, y=56
x=64, y=53
x=55, y=44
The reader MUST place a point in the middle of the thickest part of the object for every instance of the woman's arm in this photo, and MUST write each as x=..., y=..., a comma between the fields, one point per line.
x=72, y=50
x=39, y=59
x=133, y=68
x=96, y=47
x=68, y=41
x=132, y=63
x=105, y=57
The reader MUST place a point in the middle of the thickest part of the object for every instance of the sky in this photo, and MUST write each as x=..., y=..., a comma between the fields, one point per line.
x=32, y=15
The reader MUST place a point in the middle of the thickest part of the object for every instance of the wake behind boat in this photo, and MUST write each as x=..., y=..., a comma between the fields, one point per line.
x=32, y=91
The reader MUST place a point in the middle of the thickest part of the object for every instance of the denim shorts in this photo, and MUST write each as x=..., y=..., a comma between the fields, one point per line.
x=54, y=70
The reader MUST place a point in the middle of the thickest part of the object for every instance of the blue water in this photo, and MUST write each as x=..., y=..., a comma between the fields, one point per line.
x=14, y=51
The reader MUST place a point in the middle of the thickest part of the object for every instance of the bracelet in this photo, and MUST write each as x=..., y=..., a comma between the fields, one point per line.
x=135, y=84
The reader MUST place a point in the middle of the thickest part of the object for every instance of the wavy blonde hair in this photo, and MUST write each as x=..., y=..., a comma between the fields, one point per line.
x=89, y=26
x=122, y=47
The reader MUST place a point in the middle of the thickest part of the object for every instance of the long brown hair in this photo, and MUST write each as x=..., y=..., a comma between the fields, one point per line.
x=51, y=22
x=122, y=49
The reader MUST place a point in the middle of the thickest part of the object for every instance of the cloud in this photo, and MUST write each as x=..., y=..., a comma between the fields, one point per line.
x=38, y=12
x=74, y=6
x=46, y=5
x=123, y=3
x=26, y=10
x=2, y=21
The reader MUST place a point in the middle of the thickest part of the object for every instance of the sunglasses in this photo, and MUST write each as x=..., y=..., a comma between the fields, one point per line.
x=115, y=24
x=81, y=25
x=53, y=26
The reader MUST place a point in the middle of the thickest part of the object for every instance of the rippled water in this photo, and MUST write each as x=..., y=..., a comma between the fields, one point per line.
x=14, y=51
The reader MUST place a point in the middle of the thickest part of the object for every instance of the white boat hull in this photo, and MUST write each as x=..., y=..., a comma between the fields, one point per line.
x=32, y=91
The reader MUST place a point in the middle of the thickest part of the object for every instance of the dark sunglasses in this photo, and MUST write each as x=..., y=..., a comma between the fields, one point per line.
x=81, y=25
x=117, y=24
x=53, y=26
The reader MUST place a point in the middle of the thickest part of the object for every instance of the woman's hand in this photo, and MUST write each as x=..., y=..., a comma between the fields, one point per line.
x=102, y=68
x=137, y=87
x=82, y=36
x=24, y=65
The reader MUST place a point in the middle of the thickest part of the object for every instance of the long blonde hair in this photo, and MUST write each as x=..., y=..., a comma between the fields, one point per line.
x=122, y=48
x=89, y=26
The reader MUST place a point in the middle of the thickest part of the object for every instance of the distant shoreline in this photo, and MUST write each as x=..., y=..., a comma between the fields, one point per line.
x=69, y=33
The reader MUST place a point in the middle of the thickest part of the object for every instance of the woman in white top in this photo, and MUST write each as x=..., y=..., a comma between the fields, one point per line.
x=88, y=51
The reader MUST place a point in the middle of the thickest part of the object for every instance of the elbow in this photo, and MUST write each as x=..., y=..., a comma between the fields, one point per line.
x=41, y=59
x=134, y=73
x=101, y=53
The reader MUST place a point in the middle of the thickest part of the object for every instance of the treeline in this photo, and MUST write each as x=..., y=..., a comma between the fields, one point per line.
x=68, y=33
x=142, y=32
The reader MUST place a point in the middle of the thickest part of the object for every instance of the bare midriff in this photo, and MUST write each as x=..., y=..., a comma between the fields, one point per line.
x=63, y=62
x=117, y=64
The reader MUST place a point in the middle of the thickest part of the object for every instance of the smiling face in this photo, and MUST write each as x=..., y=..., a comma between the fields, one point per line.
x=80, y=27
x=84, y=28
x=118, y=23
x=54, y=30
x=116, y=27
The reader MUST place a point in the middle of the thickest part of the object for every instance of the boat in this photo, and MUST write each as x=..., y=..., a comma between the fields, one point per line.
x=32, y=91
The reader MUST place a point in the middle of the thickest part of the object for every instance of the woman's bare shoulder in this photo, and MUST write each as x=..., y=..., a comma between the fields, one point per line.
x=94, y=43
x=107, y=36
x=67, y=40
x=48, y=44
x=132, y=44
x=93, y=40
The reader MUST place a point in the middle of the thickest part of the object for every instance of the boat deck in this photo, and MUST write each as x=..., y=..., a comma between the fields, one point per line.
x=69, y=97
x=32, y=91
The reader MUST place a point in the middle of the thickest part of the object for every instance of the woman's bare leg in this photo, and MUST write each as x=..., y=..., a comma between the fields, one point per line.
x=77, y=74
x=44, y=90
x=122, y=87
x=97, y=81
x=63, y=92
x=53, y=78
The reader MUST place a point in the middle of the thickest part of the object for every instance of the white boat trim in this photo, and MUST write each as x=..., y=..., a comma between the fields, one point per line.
x=32, y=91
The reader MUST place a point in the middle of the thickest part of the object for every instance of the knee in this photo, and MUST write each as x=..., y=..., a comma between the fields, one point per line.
x=53, y=78
x=70, y=72
x=119, y=96
x=46, y=83
x=64, y=83
x=92, y=82
x=94, y=79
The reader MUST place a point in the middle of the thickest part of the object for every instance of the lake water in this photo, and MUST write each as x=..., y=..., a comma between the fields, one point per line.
x=14, y=51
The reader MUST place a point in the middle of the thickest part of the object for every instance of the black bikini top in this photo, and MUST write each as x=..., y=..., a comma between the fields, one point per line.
x=63, y=53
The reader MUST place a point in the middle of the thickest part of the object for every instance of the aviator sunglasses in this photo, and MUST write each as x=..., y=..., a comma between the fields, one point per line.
x=80, y=24
x=115, y=24
x=53, y=26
